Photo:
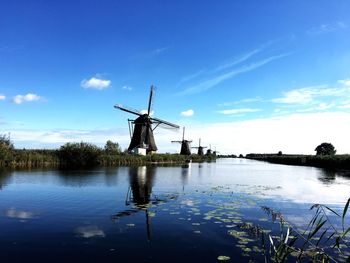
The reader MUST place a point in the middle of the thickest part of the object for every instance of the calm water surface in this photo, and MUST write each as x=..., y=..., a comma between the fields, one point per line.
x=154, y=213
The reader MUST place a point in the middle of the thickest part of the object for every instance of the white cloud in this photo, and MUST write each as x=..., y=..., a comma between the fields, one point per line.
x=127, y=88
x=160, y=50
x=238, y=111
x=320, y=107
x=214, y=81
x=248, y=100
x=19, y=99
x=96, y=83
x=187, y=113
x=307, y=95
x=2, y=97
x=345, y=82
x=327, y=28
x=345, y=105
x=146, y=111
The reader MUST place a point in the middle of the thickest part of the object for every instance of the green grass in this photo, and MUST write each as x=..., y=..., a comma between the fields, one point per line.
x=79, y=158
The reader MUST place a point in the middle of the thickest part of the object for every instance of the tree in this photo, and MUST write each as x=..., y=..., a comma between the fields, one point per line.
x=112, y=147
x=325, y=149
x=6, y=147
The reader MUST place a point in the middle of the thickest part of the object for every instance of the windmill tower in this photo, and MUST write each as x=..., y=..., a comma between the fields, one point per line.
x=142, y=138
x=185, y=144
x=200, y=148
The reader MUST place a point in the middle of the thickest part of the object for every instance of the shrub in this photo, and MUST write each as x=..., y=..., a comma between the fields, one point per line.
x=6, y=148
x=112, y=147
x=77, y=155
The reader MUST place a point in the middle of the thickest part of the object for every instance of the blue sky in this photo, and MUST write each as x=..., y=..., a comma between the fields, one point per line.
x=220, y=68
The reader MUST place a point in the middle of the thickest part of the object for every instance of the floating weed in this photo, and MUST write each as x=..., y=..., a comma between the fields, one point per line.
x=196, y=224
x=223, y=258
x=174, y=213
x=151, y=214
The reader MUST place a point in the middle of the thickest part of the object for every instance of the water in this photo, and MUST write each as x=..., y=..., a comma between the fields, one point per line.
x=156, y=214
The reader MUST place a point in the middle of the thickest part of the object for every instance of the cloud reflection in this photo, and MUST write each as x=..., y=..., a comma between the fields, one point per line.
x=13, y=213
x=89, y=232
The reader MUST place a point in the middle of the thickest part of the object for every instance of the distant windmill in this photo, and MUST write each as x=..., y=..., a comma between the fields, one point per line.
x=209, y=151
x=185, y=144
x=200, y=148
x=215, y=152
x=141, y=128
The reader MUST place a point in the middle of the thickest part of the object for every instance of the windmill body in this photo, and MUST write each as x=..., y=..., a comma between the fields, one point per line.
x=185, y=145
x=142, y=136
x=142, y=139
x=185, y=148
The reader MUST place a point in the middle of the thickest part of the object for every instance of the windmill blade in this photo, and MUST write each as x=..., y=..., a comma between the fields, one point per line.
x=177, y=141
x=164, y=123
x=133, y=111
x=150, y=101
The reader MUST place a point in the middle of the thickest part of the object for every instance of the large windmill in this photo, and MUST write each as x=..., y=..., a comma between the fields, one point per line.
x=200, y=148
x=141, y=128
x=185, y=144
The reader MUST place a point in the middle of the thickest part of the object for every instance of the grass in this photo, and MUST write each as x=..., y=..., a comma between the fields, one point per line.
x=322, y=161
x=82, y=155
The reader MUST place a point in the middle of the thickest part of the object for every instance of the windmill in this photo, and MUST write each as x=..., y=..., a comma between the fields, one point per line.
x=200, y=148
x=185, y=144
x=215, y=152
x=209, y=151
x=141, y=128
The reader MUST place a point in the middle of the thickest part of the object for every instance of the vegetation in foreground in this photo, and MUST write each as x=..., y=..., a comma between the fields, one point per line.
x=78, y=155
x=319, y=242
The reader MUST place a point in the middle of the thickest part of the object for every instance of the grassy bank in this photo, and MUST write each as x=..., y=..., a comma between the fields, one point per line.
x=336, y=162
x=77, y=155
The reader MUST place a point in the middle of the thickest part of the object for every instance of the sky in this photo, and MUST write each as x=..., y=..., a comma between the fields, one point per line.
x=244, y=76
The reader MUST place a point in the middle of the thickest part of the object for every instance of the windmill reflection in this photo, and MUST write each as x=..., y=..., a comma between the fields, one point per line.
x=185, y=174
x=140, y=195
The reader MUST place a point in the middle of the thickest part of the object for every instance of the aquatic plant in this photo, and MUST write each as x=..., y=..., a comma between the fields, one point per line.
x=319, y=242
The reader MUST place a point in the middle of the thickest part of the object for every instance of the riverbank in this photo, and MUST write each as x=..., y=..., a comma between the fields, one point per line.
x=335, y=162
x=51, y=159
